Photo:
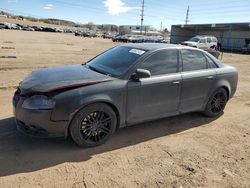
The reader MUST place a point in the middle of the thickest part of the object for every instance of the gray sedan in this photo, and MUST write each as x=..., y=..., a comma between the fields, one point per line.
x=125, y=85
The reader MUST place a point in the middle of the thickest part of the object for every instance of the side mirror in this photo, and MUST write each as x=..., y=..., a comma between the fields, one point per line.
x=140, y=73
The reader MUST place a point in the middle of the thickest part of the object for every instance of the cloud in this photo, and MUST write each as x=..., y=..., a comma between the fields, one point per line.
x=48, y=7
x=116, y=7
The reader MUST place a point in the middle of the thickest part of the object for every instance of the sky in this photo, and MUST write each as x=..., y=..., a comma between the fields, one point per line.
x=127, y=12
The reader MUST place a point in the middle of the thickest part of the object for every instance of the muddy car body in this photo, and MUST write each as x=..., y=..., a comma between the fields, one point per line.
x=89, y=102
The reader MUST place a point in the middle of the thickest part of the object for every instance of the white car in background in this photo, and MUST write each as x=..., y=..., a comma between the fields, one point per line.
x=202, y=42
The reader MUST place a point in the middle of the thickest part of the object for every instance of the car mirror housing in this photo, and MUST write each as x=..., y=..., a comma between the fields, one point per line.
x=140, y=73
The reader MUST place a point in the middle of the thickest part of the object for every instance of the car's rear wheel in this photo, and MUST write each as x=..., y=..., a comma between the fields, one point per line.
x=93, y=125
x=216, y=103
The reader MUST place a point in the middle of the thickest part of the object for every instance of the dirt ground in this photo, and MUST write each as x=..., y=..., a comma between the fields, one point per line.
x=185, y=151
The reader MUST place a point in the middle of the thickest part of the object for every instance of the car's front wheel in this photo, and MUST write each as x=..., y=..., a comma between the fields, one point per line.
x=93, y=125
x=216, y=103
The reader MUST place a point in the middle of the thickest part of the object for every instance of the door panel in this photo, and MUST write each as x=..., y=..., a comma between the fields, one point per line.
x=196, y=86
x=153, y=97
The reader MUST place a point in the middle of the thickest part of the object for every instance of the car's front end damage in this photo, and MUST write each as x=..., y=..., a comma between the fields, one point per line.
x=35, y=100
x=33, y=115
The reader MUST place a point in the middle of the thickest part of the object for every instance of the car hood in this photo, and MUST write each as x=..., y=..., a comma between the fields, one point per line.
x=189, y=43
x=60, y=78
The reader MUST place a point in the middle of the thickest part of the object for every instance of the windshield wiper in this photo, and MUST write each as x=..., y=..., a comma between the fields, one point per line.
x=96, y=70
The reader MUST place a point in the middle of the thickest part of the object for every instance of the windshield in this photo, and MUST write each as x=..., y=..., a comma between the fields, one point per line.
x=194, y=39
x=116, y=61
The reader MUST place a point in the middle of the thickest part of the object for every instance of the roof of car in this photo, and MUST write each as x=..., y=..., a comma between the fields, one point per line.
x=202, y=36
x=153, y=46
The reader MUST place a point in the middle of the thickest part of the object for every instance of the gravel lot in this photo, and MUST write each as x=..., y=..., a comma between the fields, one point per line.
x=185, y=151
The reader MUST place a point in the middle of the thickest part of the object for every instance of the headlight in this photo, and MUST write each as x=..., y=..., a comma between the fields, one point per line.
x=38, y=102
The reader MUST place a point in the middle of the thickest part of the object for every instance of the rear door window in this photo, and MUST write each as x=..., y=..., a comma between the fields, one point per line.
x=193, y=60
x=211, y=63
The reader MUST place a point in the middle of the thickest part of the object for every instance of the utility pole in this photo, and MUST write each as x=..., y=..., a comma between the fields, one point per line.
x=161, y=26
x=187, y=15
x=142, y=14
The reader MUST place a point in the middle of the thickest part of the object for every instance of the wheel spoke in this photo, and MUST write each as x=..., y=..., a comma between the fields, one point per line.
x=85, y=128
x=105, y=121
x=90, y=118
x=105, y=130
x=97, y=137
x=99, y=116
x=222, y=102
x=87, y=135
x=214, y=99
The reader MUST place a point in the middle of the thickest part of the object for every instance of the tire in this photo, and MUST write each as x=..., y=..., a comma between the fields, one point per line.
x=216, y=103
x=93, y=125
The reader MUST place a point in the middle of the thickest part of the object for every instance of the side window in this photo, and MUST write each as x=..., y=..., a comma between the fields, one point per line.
x=193, y=60
x=203, y=41
x=211, y=63
x=163, y=62
x=209, y=40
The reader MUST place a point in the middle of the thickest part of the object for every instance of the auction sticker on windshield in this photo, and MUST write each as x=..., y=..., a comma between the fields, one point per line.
x=137, y=51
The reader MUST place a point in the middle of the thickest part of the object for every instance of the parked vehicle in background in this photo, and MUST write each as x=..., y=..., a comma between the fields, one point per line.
x=154, y=39
x=123, y=86
x=246, y=48
x=36, y=28
x=49, y=29
x=99, y=34
x=27, y=28
x=85, y=33
x=116, y=38
x=166, y=40
x=138, y=38
x=121, y=38
x=107, y=36
x=3, y=26
x=201, y=42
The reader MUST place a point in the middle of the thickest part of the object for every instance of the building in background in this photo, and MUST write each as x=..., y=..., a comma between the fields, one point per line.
x=231, y=36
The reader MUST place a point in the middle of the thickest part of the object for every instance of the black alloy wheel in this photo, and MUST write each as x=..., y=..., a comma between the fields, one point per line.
x=93, y=125
x=216, y=103
x=96, y=126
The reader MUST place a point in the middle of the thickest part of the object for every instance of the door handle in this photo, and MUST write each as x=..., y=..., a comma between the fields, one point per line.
x=210, y=78
x=176, y=83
